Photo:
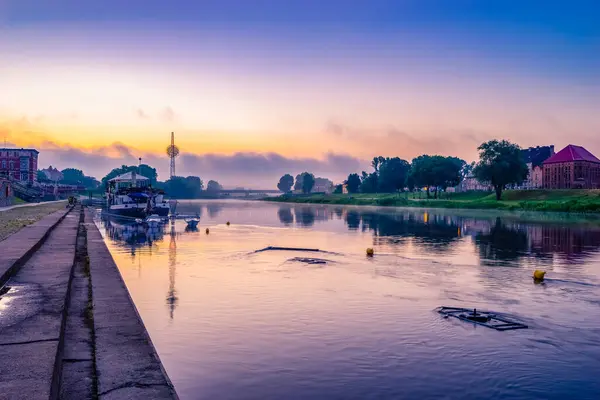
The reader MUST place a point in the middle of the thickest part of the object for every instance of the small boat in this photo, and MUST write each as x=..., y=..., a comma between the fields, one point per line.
x=485, y=318
x=192, y=222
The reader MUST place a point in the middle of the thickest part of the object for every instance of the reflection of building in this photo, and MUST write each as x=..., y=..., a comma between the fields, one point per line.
x=572, y=168
x=19, y=164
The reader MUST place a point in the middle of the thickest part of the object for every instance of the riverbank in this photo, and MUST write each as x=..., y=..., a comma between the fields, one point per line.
x=14, y=218
x=581, y=201
x=68, y=328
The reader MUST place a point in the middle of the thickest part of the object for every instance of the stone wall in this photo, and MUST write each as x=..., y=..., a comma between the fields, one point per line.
x=6, y=193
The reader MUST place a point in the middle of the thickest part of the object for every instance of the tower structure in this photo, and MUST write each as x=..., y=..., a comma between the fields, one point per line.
x=172, y=152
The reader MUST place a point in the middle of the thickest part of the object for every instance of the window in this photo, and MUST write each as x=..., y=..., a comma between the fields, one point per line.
x=11, y=165
x=24, y=163
x=3, y=164
x=24, y=176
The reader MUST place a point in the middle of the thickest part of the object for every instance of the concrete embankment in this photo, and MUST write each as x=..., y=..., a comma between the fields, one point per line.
x=68, y=327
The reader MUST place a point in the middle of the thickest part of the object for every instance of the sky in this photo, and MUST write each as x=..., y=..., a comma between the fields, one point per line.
x=255, y=89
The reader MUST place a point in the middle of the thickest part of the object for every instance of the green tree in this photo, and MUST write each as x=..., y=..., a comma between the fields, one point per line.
x=305, y=182
x=436, y=172
x=392, y=174
x=369, y=182
x=353, y=183
x=422, y=174
x=144, y=170
x=500, y=163
x=41, y=177
x=377, y=162
x=339, y=189
x=213, y=186
x=285, y=183
x=179, y=187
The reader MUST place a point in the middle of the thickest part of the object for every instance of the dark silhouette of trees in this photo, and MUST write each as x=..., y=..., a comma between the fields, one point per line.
x=436, y=172
x=285, y=183
x=305, y=182
x=179, y=187
x=500, y=163
x=369, y=182
x=144, y=170
x=213, y=187
x=339, y=189
x=76, y=177
x=392, y=174
x=353, y=183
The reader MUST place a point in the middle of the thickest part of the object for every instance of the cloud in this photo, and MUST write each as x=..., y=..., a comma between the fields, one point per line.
x=168, y=115
x=141, y=114
x=392, y=141
x=253, y=170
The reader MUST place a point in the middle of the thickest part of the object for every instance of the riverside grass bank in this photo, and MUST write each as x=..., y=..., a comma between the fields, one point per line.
x=573, y=200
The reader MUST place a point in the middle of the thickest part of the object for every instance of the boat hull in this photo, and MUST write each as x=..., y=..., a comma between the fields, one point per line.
x=160, y=211
x=127, y=211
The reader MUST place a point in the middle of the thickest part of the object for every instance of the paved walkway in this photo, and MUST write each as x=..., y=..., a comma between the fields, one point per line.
x=120, y=334
x=29, y=205
x=30, y=332
x=68, y=327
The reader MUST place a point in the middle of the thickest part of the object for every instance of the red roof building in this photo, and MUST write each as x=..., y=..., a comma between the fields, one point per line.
x=572, y=168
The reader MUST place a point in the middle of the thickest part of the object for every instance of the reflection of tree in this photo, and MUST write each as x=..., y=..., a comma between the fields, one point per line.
x=305, y=216
x=285, y=215
x=214, y=209
x=501, y=244
x=433, y=232
x=339, y=212
x=353, y=219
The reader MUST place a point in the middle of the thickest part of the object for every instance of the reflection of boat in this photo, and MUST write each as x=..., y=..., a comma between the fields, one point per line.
x=154, y=220
x=485, y=318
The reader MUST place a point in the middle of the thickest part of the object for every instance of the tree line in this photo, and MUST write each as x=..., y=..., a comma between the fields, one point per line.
x=500, y=164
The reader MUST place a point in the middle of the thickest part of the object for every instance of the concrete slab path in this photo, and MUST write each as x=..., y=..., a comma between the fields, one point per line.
x=120, y=335
x=31, y=312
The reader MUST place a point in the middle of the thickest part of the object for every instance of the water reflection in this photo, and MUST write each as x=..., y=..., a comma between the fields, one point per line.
x=242, y=316
x=503, y=238
x=285, y=215
x=171, y=296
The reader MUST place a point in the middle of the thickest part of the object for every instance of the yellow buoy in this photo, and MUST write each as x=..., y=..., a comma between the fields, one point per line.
x=228, y=223
x=207, y=231
x=538, y=275
x=370, y=252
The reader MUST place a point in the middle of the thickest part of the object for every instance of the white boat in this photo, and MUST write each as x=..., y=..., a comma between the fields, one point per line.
x=192, y=222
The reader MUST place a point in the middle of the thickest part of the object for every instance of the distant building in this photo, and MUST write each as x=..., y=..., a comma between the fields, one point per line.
x=470, y=183
x=53, y=174
x=19, y=164
x=535, y=157
x=322, y=185
x=572, y=168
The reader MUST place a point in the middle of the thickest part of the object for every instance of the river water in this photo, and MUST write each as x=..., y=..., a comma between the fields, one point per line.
x=232, y=323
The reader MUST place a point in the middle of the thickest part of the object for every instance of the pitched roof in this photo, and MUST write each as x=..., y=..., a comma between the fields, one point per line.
x=572, y=153
x=128, y=177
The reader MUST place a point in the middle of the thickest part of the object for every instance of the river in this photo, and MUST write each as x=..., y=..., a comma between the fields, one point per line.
x=232, y=323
